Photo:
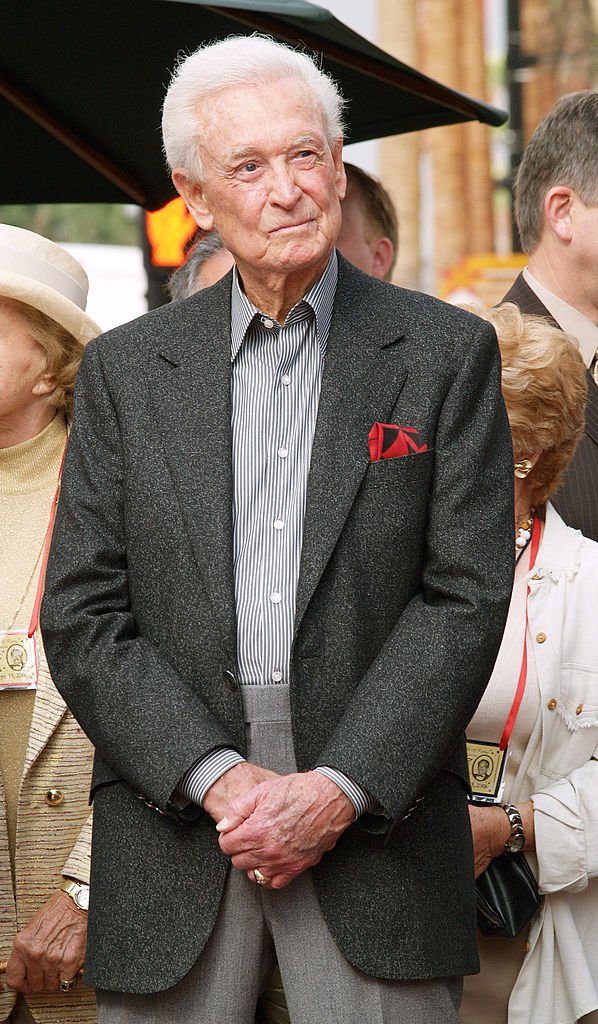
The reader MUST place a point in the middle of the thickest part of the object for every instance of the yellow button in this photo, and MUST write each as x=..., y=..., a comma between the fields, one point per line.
x=579, y=709
x=54, y=797
x=551, y=704
x=540, y=637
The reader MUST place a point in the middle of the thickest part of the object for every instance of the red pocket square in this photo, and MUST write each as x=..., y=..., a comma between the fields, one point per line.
x=387, y=441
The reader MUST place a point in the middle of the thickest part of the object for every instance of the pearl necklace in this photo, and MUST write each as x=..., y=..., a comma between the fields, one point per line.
x=524, y=534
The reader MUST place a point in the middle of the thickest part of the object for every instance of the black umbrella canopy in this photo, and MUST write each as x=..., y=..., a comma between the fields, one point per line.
x=82, y=84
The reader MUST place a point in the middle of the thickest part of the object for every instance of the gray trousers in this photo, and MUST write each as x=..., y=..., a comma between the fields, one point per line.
x=256, y=927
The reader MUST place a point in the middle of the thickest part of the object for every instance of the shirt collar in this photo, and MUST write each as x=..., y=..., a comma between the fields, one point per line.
x=320, y=299
x=570, y=319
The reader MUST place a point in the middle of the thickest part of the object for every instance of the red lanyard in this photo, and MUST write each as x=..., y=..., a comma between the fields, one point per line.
x=535, y=544
x=34, y=621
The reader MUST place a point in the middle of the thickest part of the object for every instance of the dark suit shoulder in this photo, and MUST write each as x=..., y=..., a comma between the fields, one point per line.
x=526, y=299
x=414, y=313
x=166, y=323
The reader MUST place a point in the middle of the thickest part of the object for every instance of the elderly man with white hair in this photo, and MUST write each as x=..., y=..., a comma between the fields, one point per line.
x=279, y=576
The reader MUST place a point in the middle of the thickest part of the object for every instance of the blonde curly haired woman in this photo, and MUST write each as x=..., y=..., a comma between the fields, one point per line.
x=544, y=702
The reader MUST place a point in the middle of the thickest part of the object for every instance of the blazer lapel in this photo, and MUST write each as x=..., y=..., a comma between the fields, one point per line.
x=48, y=710
x=362, y=378
x=591, y=425
x=192, y=407
x=523, y=296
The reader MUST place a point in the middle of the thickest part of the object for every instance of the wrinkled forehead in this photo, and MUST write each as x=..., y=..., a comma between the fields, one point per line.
x=239, y=115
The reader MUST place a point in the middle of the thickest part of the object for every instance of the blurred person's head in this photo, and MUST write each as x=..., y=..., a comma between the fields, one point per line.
x=206, y=262
x=556, y=201
x=43, y=329
x=369, y=235
x=544, y=387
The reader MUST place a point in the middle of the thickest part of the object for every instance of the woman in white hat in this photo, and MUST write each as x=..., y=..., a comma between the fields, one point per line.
x=45, y=759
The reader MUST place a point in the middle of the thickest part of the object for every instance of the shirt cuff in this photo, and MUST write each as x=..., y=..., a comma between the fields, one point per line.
x=197, y=780
x=359, y=797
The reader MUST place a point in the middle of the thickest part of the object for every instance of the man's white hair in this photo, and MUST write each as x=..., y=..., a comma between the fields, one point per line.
x=238, y=60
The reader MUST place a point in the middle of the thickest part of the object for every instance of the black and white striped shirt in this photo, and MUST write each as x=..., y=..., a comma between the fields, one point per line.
x=276, y=376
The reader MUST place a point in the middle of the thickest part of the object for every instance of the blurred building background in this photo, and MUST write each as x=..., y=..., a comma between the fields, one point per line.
x=451, y=185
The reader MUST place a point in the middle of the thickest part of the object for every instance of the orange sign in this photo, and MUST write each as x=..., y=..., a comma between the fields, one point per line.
x=168, y=231
x=483, y=278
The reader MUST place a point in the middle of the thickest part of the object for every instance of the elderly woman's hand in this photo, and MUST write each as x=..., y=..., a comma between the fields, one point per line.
x=50, y=947
x=490, y=829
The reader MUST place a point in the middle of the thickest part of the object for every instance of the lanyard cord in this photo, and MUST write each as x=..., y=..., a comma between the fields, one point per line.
x=508, y=729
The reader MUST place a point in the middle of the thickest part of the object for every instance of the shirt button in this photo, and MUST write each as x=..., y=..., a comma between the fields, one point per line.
x=275, y=597
x=283, y=452
x=551, y=704
x=278, y=524
x=267, y=322
x=286, y=380
x=276, y=675
x=540, y=638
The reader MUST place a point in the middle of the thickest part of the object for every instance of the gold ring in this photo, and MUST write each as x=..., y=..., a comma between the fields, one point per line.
x=66, y=984
x=260, y=879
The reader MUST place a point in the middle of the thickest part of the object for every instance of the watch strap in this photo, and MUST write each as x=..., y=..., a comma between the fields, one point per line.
x=516, y=840
x=78, y=892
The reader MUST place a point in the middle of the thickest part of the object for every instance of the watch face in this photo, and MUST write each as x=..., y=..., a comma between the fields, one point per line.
x=82, y=897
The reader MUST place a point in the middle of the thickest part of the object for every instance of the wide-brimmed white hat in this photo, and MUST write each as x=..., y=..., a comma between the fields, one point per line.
x=37, y=271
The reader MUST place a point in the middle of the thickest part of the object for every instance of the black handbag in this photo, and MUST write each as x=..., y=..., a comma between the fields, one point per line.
x=507, y=896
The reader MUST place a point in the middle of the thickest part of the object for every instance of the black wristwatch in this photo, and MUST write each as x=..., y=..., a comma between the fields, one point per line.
x=516, y=840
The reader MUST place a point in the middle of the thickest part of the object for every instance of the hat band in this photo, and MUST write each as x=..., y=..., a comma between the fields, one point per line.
x=15, y=262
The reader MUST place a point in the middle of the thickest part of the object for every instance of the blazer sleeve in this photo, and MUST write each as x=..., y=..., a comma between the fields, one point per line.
x=123, y=682
x=408, y=714
x=78, y=863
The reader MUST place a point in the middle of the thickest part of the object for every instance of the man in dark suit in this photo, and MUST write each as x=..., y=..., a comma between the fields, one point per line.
x=556, y=208
x=279, y=577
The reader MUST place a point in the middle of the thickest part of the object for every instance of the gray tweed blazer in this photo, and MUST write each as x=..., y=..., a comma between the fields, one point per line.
x=404, y=584
x=576, y=500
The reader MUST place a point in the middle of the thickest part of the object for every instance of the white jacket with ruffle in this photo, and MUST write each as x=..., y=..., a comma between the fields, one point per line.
x=558, y=982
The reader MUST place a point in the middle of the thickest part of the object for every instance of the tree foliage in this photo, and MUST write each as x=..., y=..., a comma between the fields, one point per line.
x=100, y=223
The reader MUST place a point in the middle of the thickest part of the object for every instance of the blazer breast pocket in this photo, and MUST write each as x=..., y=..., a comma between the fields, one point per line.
x=403, y=469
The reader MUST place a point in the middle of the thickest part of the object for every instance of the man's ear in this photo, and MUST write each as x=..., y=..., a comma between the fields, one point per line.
x=193, y=194
x=557, y=211
x=383, y=254
x=340, y=175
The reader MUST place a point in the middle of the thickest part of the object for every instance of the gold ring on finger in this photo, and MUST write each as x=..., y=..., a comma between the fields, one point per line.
x=66, y=984
x=259, y=877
